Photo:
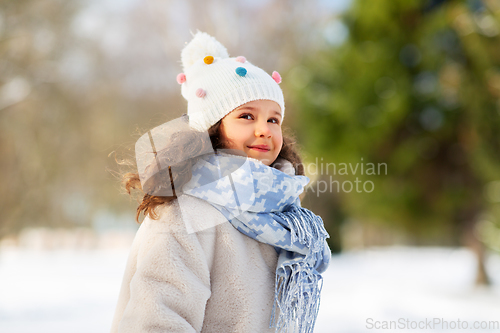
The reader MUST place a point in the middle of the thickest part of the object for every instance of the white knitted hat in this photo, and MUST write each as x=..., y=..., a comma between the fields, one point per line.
x=215, y=84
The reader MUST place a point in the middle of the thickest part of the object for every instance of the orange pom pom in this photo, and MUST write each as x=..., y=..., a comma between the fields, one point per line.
x=208, y=60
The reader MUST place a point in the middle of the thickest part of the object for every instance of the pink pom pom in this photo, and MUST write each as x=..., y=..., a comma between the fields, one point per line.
x=181, y=78
x=200, y=93
x=277, y=77
x=241, y=59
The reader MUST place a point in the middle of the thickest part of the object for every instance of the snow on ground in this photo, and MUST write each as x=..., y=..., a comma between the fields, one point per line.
x=409, y=286
x=76, y=290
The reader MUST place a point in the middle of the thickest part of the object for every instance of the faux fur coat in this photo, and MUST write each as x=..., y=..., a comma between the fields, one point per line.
x=214, y=280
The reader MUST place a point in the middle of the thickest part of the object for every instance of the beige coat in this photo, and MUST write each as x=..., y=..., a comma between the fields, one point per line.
x=214, y=280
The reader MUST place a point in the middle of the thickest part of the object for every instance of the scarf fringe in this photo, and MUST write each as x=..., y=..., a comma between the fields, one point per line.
x=305, y=227
x=298, y=285
x=297, y=295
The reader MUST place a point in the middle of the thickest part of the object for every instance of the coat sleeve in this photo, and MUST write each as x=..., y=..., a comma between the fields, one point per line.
x=170, y=284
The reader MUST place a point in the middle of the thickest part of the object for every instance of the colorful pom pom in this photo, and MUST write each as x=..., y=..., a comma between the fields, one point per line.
x=277, y=77
x=208, y=60
x=241, y=59
x=241, y=71
x=181, y=78
x=200, y=93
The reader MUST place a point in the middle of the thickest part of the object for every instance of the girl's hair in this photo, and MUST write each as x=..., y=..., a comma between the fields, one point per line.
x=189, y=144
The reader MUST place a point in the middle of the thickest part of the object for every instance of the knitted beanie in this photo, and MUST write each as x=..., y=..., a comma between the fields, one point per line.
x=215, y=84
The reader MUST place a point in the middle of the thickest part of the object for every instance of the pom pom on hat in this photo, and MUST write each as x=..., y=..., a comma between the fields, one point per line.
x=277, y=77
x=200, y=93
x=241, y=71
x=181, y=78
x=201, y=45
x=241, y=59
x=208, y=60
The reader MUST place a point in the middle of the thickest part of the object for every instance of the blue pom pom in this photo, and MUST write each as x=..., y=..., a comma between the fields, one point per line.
x=241, y=71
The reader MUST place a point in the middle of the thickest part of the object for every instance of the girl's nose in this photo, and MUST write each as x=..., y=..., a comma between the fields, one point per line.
x=262, y=129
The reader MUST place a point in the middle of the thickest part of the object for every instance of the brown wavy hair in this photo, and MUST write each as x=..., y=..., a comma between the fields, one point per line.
x=189, y=143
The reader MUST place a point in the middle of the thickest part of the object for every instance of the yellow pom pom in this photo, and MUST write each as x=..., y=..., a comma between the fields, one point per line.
x=208, y=60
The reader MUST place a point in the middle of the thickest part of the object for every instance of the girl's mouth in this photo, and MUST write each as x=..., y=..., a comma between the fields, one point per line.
x=261, y=149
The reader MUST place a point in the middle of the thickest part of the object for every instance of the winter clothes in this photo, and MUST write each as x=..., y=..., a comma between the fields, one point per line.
x=210, y=262
x=214, y=280
x=263, y=203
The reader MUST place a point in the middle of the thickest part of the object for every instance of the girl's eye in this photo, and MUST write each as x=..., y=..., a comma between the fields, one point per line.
x=276, y=121
x=246, y=115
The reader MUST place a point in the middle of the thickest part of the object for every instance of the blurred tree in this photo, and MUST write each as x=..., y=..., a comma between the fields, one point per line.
x=33, y=36
x=415, y=86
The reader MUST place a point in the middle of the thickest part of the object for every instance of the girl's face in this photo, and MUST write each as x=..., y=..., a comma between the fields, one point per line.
x=254, y=128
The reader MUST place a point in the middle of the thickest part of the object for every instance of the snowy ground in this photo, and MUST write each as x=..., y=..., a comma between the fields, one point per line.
x=407, y=286
x=76, y=290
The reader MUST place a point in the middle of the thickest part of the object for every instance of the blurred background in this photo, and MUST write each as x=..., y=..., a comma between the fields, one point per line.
x=412, y=85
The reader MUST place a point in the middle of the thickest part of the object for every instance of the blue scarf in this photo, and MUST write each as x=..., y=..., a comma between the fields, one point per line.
x=263, y=203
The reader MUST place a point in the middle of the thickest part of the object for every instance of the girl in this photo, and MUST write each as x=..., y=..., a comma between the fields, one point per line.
x=190, y=270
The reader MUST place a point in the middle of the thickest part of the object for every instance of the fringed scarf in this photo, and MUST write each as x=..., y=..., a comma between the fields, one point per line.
x=263, y=203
